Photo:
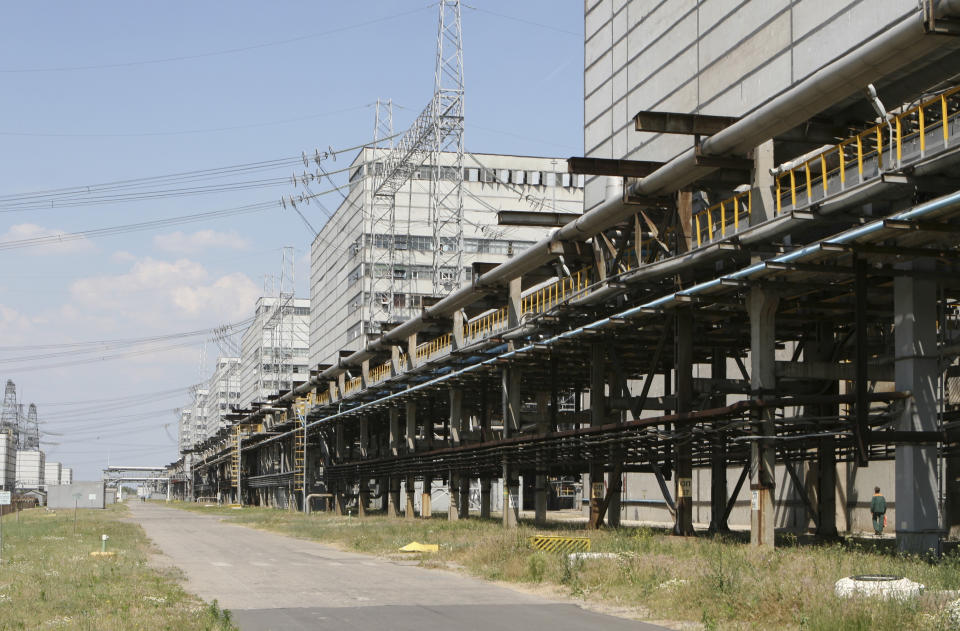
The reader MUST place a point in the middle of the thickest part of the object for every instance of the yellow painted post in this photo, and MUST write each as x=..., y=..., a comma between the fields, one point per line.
x=879, y=148
x=778, y=194
x=793, y=189
x=823, y=172
x=945, y=120
x=697, y=219
x=860, y=157
x=723, y=218
x=899, y=141
x=923, y=138
x=806, y=170
x=843, y=165
x=710, y=224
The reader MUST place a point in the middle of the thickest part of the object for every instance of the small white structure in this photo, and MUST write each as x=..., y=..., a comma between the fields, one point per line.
x=881, y=586
x=66, y=475
x=8, y=460
x=51, y=473
x=30, y=468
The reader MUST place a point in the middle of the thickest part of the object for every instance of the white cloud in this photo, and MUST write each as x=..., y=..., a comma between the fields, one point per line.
x=156, y=293
x=181, y=243
x=21, y=231
x=122, y=256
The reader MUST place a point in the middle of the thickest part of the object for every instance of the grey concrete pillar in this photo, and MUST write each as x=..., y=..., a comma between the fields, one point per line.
x=393, y=500
x=425, y=509
x=453, y=486
x=485, y=497
x=820, y=349
x=464, y=497
x=598, y=416
x=915, y=369
x=364, y=437
x=762, y=310
x=410, y=488
x=683, y=374
x=394, y=429
x=540, y=481
x=763, y=205
x=511, y=497
x=410, y=433
x=718, y=455
x=363, y=499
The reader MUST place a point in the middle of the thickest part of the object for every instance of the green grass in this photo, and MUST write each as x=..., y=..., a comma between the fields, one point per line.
x=49, y=580
x=719, y=582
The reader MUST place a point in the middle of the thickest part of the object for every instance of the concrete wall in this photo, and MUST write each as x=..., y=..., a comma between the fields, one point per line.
x=91, y=495
x=8, y=460
x=720, y=57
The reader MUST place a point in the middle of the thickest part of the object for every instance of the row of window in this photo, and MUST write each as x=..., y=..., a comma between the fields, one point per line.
x=520, y=177
x=421, y=243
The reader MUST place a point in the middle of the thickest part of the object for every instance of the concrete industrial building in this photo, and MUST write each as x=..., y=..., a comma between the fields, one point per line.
x=66, y=475
x=30, y=469
x=222, y=395
x=352, y=288
x=51, y=473
x=273, y=351
x=8, y=459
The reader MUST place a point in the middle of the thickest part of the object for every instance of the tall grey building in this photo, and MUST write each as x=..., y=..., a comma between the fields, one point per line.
x=362, y=276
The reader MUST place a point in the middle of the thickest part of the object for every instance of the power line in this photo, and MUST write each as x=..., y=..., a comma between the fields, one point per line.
x=217, y=53
x=183, y=132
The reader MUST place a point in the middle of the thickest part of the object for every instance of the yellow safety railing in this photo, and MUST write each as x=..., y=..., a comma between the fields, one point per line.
x=723, y=218
x=486, y=324
x=545, y=298
x=380, y=373
x=806, y=180
x=353, y=385
x=323, y=398
x=428, y=350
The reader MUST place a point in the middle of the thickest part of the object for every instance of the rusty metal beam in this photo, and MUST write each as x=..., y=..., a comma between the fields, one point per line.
x=606, y=166
x=677, y=123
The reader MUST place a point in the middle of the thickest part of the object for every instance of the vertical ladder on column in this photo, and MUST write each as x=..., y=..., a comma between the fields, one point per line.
x=235, y=459
x=299, y=450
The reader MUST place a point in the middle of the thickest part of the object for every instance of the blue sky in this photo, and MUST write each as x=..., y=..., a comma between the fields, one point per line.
x=109, y=91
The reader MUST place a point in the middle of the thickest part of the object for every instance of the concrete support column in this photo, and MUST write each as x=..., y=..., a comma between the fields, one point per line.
x=340, y=498
x=410, y=488
x=464, y=496
x=540, y=482
x=363, y=499
x=425, y=509
x=410, y=433
x=598, y=415
x=393, y=499
x=456, y=417
x=762, y=310
x=394, y=430
x=364, y=437
x=453, y=486
x=485, y=498
x=718, y=455
x=683, y=373
x=915, y=369
x=511, y=496
x=820, y=349
x=763, y=204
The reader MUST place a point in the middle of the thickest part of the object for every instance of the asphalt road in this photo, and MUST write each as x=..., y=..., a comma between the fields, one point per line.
x=270, y=582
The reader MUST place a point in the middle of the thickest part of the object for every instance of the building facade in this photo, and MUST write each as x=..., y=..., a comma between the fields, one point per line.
x=361, y=276
x=273, y=352
x=223, y=394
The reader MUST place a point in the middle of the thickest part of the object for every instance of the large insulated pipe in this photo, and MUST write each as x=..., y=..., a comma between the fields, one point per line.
x=902, y=44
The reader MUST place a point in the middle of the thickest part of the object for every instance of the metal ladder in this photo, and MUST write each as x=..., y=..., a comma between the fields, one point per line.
x=300, y=451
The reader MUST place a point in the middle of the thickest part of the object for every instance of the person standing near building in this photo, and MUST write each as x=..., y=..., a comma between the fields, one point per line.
x=878, y=506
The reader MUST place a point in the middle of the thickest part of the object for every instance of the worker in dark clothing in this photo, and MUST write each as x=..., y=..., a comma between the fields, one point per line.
x=878, y=506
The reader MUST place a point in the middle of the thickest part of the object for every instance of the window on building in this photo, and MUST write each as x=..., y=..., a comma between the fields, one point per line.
x=471, y=175
x=518, y=177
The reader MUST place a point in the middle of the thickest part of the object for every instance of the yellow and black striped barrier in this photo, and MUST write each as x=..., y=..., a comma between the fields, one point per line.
x=553, y=543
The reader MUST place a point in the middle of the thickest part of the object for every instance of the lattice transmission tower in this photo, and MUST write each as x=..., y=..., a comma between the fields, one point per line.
x=437, y=129
x=30, y=430
x=446, y=185
x=10, y=414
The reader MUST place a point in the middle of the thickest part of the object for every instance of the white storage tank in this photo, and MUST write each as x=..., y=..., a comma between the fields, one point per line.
x=29, y=469
x=66, y=475
x=8, y=460
x=51, y=473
